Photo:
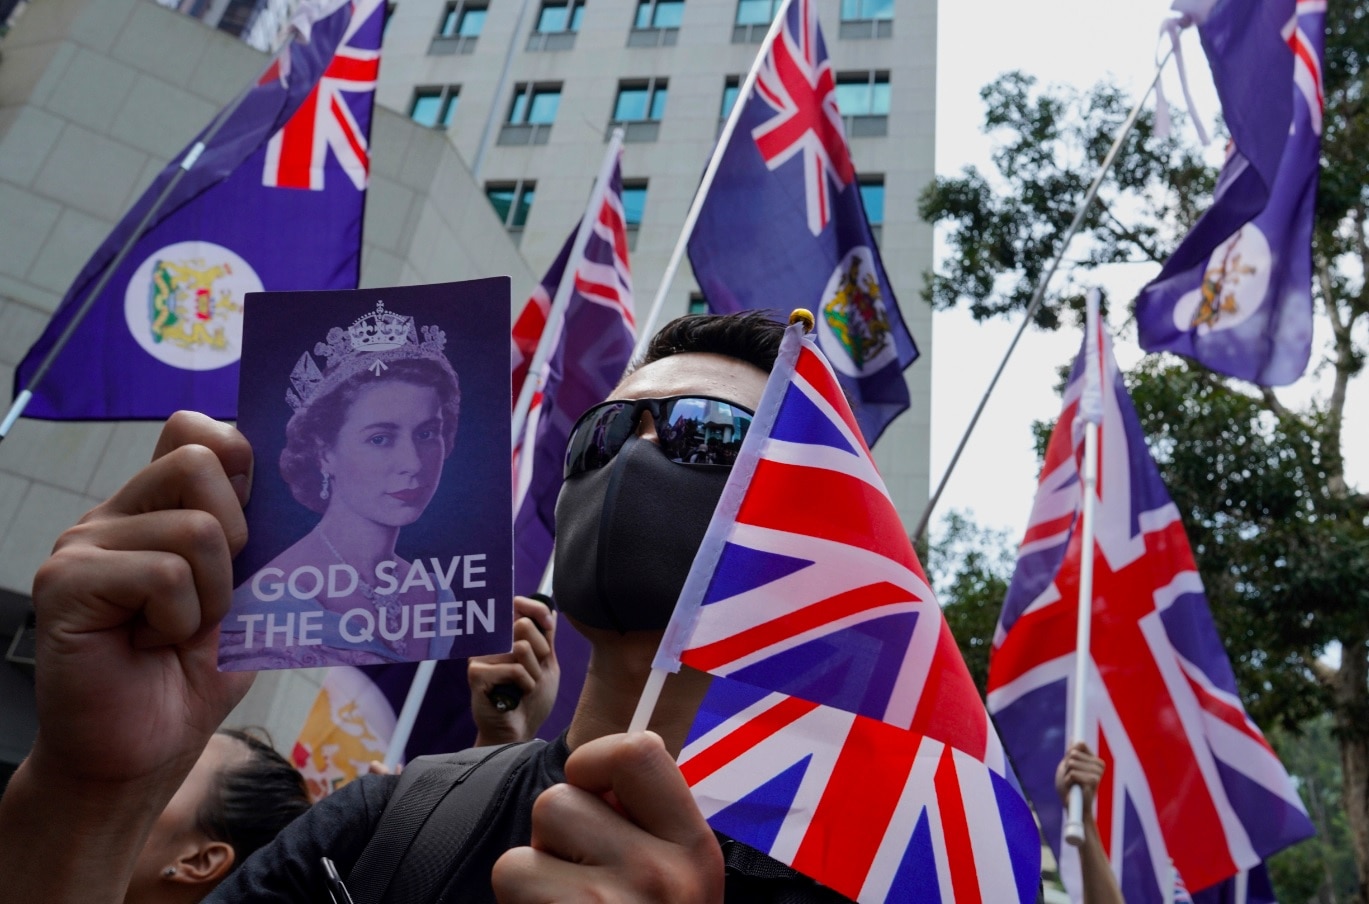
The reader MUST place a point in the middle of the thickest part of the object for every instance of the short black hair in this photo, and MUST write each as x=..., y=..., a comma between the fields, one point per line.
x=750, y=336
x=252, y=800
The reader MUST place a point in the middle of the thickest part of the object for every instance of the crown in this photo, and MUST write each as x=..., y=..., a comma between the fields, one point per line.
x=369, y=344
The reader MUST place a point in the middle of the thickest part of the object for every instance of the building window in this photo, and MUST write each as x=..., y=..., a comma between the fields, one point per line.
x=512, y=201
x=462, y=22
x=639, y=107
x=732, y=86
x=872, y=199
x=753, y=20
x=657, y=23
x=531, y=114
x=557, y=23
x=434, y=107
x=634, y=206
x=863, y=99
x=867, y=18
x=697, y=303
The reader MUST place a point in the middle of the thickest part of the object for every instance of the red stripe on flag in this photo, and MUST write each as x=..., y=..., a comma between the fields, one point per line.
x=1038, y=637
x=948, y=707
x=350, y=69
x=743, y=738
x=1106, y=794
x=814, y=370
x=726, y=651
x=297, y=145
x=353, y=139
x=955, y=829
x=781, y=498
x=857, y=806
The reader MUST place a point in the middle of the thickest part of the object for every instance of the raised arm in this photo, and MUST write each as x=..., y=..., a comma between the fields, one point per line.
x=1080, y=767
x=128, y=690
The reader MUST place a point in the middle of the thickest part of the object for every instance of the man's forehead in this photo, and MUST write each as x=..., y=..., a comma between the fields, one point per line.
x=695, y=373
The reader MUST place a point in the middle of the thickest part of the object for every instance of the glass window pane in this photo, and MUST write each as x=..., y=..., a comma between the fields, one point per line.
x=850, y=10
x=448, y=23
x=878, y=9
x=634, y=204
x=879, y=97
x=853, y=98
x=472, y=21
x=631, y=105
x=658, y=103
x=425, y=109
x=643, y=18
x=520, y=213
x=552, y=18
x=544, y=104
x=730, y=93
x=576, y=17
x=669, y=13
x=872, y=196
x=502, y=201
x=754, y=12
x=448, y=110
x=518, y=112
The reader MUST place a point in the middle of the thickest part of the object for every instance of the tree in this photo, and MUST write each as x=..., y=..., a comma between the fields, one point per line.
x=1281, y=538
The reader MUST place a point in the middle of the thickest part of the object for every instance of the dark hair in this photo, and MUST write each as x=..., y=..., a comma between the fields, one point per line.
x=314, y=428
x=252, y=800
x=750, y=336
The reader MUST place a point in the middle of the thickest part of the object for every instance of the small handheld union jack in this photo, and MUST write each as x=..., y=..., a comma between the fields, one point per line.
x=842, y=733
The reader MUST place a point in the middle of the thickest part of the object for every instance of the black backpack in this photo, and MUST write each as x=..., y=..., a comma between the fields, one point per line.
x=440, y=803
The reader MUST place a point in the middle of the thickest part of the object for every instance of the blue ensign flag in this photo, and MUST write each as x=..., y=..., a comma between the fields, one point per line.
x=783, y=225
x=274, y=202
x=1236, y=296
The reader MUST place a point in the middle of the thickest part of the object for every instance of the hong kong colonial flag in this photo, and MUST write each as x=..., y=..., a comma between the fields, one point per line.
x=1237, y=293
x=593, y=343
x=783, y=224
x=274, y=201
x=1191, y=791
x=842, y=733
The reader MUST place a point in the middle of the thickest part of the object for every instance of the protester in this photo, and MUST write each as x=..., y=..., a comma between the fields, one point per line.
x=239, y=794
x=135, y=592
x=1080, y=767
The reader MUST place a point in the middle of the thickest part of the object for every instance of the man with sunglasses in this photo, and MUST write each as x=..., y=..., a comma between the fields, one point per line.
x=133, y=595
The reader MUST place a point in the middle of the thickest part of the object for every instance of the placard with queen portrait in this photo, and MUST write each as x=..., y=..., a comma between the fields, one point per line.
x=379, y=526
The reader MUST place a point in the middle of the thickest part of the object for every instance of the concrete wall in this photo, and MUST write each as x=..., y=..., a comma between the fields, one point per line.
x=96, y=96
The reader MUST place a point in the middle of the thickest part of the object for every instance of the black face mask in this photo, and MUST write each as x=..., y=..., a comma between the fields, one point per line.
x=626, y=536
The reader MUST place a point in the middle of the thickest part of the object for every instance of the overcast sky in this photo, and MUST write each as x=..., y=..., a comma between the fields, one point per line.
x=1075, y=42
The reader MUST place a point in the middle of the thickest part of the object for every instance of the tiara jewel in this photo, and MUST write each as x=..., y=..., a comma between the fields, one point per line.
x=370, y=343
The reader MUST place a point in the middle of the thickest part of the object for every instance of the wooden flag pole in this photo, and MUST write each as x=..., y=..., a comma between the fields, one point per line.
x=1090, y=411
x=1039, y=295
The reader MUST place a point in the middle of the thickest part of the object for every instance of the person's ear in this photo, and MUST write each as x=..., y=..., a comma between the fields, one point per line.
x=209, y=863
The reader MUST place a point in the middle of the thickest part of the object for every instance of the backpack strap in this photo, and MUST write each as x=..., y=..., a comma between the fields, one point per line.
x=431, y=815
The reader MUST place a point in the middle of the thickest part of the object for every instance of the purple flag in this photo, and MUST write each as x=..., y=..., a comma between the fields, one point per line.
x=274, y=202
x=783, y=225
x=1237, y=293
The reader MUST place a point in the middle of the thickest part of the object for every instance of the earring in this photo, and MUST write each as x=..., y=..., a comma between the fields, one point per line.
x=169, y=872
x=323, y=493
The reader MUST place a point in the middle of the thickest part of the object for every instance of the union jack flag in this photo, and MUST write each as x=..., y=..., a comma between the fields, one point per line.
x=295, y=155
x=592, y=346
x=1190, y=785
x=783, y=218
x=843, y=733
x=1237, y=293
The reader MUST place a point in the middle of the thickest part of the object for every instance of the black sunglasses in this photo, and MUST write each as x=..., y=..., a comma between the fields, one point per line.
x=693, y=430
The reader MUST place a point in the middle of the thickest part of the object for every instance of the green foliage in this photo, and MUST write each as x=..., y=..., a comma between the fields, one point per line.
x=1321, y=869
x=970, y=568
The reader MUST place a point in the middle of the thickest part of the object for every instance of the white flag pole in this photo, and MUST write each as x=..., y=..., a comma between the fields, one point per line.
x=648, y=326
x=408, y=714
x=551, y=331
x=1090, y=412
